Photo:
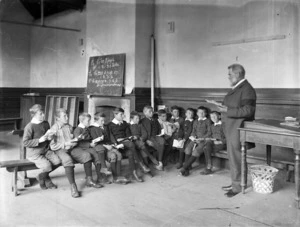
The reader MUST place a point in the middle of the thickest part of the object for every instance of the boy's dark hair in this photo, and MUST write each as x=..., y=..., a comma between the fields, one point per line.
x=118, y=110
x=174, y=108
x=133, y=113
x=216, y=113
x=161, y=112
x=191, y=110
x=204, y=109
x=98, y=115
x=84, y=115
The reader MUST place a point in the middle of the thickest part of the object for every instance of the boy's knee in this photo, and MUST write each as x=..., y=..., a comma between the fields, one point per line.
x=45, y=166
x=67, y=161
x=119, y=156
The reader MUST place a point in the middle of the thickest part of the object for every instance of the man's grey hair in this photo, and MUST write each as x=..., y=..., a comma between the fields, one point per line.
x=237, y=68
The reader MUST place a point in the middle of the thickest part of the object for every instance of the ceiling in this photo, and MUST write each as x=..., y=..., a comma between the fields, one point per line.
x=51, y=6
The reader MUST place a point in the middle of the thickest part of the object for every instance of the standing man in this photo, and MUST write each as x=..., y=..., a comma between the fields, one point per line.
x=238, y=106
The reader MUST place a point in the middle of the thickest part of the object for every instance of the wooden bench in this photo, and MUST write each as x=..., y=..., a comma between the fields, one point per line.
x=280, y=164
x=15, y=166
x=15, y=120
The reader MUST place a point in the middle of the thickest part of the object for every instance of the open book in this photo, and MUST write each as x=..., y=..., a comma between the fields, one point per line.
x=178, y=143
x=215, y=103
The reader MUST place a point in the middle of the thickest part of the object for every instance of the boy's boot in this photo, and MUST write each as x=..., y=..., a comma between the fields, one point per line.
x=136, y=177
x=91, y=183
x=181, y=157
x=144, y=167
x=41, y=179
x=74, y=191
x=99, y=175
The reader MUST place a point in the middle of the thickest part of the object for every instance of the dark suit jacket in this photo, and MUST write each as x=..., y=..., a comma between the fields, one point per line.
x=149, y=129
x=241, y=103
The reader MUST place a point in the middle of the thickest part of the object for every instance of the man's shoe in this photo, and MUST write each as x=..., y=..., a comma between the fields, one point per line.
x=136, y=177
x=105, y=171
x=91, y=183
x=206, y=172
x=74, y=191
x=227, y=188
x=231, y=193
x=41, y=179
x=144, y=167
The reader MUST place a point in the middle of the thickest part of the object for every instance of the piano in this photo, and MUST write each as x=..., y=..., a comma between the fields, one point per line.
x=271, y=132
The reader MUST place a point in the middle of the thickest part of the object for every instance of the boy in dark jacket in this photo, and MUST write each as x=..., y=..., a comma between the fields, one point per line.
x=184, y=134
x=152, y=136
x=201, y=131
x=120, y=134
x=100, y=135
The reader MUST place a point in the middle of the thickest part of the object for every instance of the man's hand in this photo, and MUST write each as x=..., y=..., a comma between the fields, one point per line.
x=223, y=109
x=149, y=143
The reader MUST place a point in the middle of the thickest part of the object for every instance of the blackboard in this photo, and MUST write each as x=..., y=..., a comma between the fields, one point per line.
x=106, y=75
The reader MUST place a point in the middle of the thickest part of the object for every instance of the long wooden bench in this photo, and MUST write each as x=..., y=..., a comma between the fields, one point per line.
x=280, y=164
x=15, y=166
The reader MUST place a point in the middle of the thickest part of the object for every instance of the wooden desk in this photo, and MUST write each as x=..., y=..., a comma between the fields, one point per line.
x=270, y=132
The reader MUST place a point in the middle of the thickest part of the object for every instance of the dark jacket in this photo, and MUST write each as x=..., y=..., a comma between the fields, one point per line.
x=117, y=131
x=98, y=132
x=186, y=130
x=152, y=128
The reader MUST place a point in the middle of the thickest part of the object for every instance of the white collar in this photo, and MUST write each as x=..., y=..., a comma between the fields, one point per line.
x=96, y=125
x=189, y=120
x=115, y=121
x=218, y=123
x=202, y=119
x=81, y=126
x=132, y=123
x=175, y=118
x=238, y=83
x=35, y=121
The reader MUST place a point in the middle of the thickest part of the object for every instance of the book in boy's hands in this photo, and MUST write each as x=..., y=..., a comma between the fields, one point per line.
x=162, y=132
x=98, y=139
x=178, y=143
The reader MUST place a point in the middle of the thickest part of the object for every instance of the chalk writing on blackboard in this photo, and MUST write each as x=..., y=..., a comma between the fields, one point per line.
x=106, y=75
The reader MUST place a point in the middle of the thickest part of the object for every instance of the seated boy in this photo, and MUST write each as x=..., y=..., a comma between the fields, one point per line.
x=137, y=131
x=151, y=137
x=216, y=143
x=201, y=131
x=36, y=139
x=100, y=132
x=167, y=132
x=82, y=134
x=63, y=143
x=184, y=134
x=120, y=134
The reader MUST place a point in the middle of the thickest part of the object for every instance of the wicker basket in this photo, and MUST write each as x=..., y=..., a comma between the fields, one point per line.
x=263, y=178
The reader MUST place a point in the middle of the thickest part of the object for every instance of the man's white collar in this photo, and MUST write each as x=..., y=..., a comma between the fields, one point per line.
x=218, y=123
x=81, y=125
x=238, y=83
x=189, y=120
x=202, y=119
x=115, y=121
x=35, y=121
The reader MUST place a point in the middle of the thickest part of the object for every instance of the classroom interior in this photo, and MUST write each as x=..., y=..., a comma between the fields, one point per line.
x=195, y=42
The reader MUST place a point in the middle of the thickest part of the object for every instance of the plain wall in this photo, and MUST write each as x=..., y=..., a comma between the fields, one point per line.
x=14, y=45
x=56, y=58
x=187, y=58
x=111, y=30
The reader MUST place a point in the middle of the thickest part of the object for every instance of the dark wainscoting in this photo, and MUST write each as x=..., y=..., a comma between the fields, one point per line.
x=271, y=103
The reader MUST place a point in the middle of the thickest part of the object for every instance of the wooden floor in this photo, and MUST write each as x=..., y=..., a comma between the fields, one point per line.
x=164, y=200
